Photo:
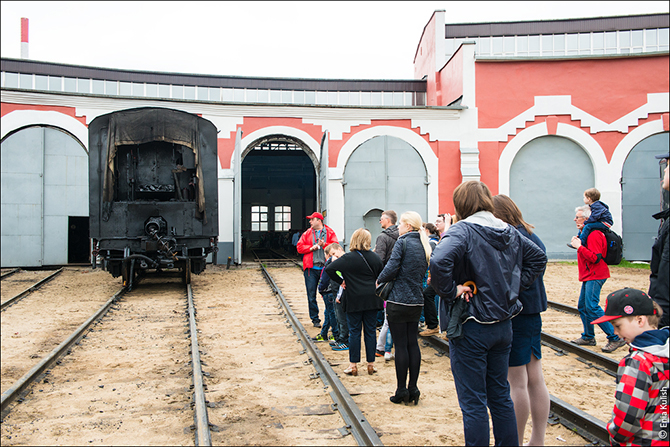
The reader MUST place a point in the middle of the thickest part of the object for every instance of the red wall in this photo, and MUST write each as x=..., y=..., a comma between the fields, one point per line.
x=605, y=88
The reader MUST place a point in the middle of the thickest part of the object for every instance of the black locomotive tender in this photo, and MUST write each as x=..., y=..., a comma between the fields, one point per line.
x=153, y=198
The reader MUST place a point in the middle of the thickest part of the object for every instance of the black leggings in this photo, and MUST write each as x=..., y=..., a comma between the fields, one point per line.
x=407, y=353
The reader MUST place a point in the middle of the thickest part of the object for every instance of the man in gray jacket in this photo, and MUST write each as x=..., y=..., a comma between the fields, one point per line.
x=386, y=240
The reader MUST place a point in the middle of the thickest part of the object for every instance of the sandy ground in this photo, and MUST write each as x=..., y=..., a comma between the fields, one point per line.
x=259, y=384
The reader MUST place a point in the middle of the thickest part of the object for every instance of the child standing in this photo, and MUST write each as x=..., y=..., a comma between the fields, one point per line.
x=601, y=218
x=640, y=415
x=327, y=289
x=341, y=343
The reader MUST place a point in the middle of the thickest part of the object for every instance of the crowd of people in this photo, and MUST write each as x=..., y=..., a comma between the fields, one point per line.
x=481, y=271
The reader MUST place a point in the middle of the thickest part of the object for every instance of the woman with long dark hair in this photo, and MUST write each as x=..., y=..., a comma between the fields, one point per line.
x=407, y=266
x=483, y=249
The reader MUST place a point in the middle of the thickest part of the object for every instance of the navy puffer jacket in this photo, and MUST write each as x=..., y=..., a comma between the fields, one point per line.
x=408, y=273
x=495, y=256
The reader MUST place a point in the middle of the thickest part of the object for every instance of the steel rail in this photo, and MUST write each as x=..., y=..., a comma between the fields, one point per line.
x=30, y=289
x=356, y=423
x=203, y=436
x=571, y=417
x=36, y=371
x=9, y=273
x=563, y=307
x=605, y=362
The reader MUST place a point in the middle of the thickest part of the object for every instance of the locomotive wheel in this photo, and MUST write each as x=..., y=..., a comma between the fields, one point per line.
x=186, y=276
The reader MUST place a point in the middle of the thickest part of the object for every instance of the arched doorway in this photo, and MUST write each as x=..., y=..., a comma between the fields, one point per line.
x=278, y=191
x=371, y=223
x=44, y=198
x=383, y=173
x=641, y=196
x=548, y=178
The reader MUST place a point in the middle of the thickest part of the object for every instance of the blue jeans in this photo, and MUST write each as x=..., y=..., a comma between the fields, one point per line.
x=479, y=362
x=341, y=316
x=329, y=319
x=366, y=319
x=589, y=310
x=311, y=282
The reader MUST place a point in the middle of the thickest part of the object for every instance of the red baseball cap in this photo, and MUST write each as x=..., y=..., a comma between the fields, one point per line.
x=625, y=303
x=317, y=215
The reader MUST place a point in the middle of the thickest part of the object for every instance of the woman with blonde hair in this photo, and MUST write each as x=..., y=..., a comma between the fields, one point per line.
x=407, y=266
x=359, y=268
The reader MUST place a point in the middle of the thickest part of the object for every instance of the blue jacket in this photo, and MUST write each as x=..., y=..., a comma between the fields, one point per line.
x=408, y=273
x=325, y=284
x=495, y=256
x=600, y=212
x=534, y=299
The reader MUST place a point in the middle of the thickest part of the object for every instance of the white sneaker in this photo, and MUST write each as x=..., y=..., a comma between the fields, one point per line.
x=388, y=356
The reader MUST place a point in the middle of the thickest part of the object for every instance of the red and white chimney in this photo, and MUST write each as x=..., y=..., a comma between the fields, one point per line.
x=24, y=38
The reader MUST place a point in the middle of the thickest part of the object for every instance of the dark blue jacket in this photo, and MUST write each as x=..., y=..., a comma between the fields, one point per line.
x=325, y=284
x=495, y=256
x=534, y=299
x=600, y=212
x=408, y=270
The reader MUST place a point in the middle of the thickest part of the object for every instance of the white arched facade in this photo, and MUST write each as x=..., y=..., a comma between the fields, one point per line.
x=19, y=119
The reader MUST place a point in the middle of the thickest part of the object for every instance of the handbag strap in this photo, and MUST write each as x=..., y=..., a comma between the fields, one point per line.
x=366, y=262
x=401, y=257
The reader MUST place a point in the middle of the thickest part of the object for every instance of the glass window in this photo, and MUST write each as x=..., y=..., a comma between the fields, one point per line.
x=227, y=94
x=84, y=85
x=163, y=91
x=387, y=98
x=202, y=93
x=637, y=38
x=178, y=91
x=263, y=95
x=69, y=85
x=508, y=44
x=408, y=98
x=332, y=97
x=559, y=44
x=366, y=98
x=573, y=42
x=397, y=99
x=624, y=39
x=125, y=88
x=238, y=95
x=497, y=46
x=41, y=82
x=56, y=83
x=189, y=92
x=420, y=99
x=275, y=96
x=610, y=40
x=449, y=47
x=547, y=44
x=522, y=45
x=298, y=97
x=651, y=38
x=26, y=81
x=343, y=99
x=663, y=37
x=259, y=218
x=599, y=40
x=355, y=98
x=484, y=45
x=252, y=95
x=138, y=89
x=310, y=97
x=282, y=218
x=98, y=87
x=12, y=80
x=152, y=90
x=287, y=96
x=321, y=97
x=214, y=93
x=584, y=43
x=376, y=98
x=533, y=45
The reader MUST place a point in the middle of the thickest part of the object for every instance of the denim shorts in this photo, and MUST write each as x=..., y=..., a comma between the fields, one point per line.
x=526, y=331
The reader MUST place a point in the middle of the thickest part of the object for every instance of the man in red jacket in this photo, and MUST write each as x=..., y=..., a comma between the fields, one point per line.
x=310, y=246
x=593, y=272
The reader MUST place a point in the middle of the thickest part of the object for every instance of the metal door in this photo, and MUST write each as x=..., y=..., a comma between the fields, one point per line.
x=237, y=198
x=641, y=196
x=322, y=206
x=371, y=222
x=383, y=173
x=548, y=178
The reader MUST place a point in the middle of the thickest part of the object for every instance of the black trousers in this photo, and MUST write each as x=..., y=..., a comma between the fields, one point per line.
x=429, y=309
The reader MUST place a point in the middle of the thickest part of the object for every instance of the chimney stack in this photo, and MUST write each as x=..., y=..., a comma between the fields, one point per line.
x=24, y=38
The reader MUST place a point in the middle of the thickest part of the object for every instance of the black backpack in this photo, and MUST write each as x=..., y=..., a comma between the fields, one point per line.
x=614, y=253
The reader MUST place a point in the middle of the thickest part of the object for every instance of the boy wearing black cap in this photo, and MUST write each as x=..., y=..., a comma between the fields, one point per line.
x=640, y=414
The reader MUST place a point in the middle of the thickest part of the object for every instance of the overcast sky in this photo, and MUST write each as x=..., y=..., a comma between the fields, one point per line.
x=348, y=40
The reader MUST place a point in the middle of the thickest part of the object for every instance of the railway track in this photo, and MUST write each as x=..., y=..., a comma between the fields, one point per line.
x=29, y=290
